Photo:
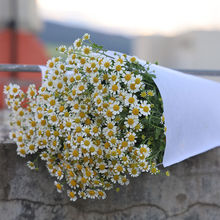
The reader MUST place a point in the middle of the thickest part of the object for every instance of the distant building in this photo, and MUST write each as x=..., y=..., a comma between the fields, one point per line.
x=19, y=23
x=193, y=50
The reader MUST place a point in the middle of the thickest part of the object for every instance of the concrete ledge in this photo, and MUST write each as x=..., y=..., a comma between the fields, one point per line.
x=191, y=192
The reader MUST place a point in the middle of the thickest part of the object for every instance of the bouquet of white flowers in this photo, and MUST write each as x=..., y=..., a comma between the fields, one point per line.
x=95, y=120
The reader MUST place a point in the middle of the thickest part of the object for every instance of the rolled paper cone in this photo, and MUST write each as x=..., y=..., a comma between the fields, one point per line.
x=192, y=113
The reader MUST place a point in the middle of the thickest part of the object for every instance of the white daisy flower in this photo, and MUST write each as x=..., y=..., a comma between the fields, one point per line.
x=127, y=77
x=131, y=121
x=86, y=50
x=101, y=194
x=145, y=108
x=131, y=100
x=131, y=137
x=82, y=194
x=116, y=107
x=31, y=165
x=51, y=64
x=94, y=80
x=123, y=180
x=32, y=148
x=106, y=63
x=59, y=174
x=86, y=36
x=134, y=172
x=77, y=43
x=72, y=195
x=91, y=193
x=58, y=186
x=132, y=87
x=62, y=49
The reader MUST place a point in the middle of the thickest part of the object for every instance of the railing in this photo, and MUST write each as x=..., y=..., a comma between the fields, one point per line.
x=36, y=68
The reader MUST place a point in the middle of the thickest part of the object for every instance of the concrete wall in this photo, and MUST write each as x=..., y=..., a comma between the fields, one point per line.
x=192, y=192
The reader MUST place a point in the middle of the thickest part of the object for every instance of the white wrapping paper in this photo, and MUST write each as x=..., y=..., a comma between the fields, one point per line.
x=192, y=113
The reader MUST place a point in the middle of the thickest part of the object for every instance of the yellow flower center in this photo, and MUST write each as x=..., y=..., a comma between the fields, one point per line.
x=109, y=113
x=119, y=168
x=72, y=182
x=114, y=87
x=78, y=77
x=133, y=59
x=95, y=129
x=118, y=67
x=72, y=194
x=68, y=124
x=127, y=77
x=130, y=121
x=53, y=118
x=78, y=129
x=102, y=166
x=135, y=111
x=59, y=187
x=107, y=64
x=75, y=153
x=132, y=86
x=131, y=100
x=82, y=61
x=81, y=88
x=47, y=133
x=52, y=102
x=31, y=147
x=86, y=50
x=131, y=137
x=60, y=85
x=137, y=80
x=95, y=79
x=146, y=109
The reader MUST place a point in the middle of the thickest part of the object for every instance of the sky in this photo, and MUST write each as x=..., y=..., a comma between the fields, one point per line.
x=135, y=17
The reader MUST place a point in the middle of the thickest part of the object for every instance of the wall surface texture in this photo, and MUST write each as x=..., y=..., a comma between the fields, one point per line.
x=191, y=192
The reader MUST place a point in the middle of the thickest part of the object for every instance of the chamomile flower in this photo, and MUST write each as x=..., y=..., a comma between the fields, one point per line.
x=31, y=165
x=91, y=193
x=131, y=100
x=106, y=64
x=131, y=137
x=86, y=50
x=32, y=148
x=86, y=36
x=127, y=77
x=123, y=180
x=116, y=107
x=101, y=194
x=131, y=121
x=58, y=186
x=59, y=174
x=15, y=89
x=118, y=67
x=77, y=43
x=133, y=87
x=150, y=93
x=51, y=64
x=145, y=108
x=62, y=49
x=72, y=195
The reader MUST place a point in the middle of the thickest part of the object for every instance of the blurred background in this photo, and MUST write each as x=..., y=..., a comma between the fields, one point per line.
x=177, y=34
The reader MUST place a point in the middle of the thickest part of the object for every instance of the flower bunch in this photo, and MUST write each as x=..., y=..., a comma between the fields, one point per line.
x=96, y=120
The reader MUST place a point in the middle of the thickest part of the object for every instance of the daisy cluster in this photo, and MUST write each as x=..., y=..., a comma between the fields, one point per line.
x=95, y=121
